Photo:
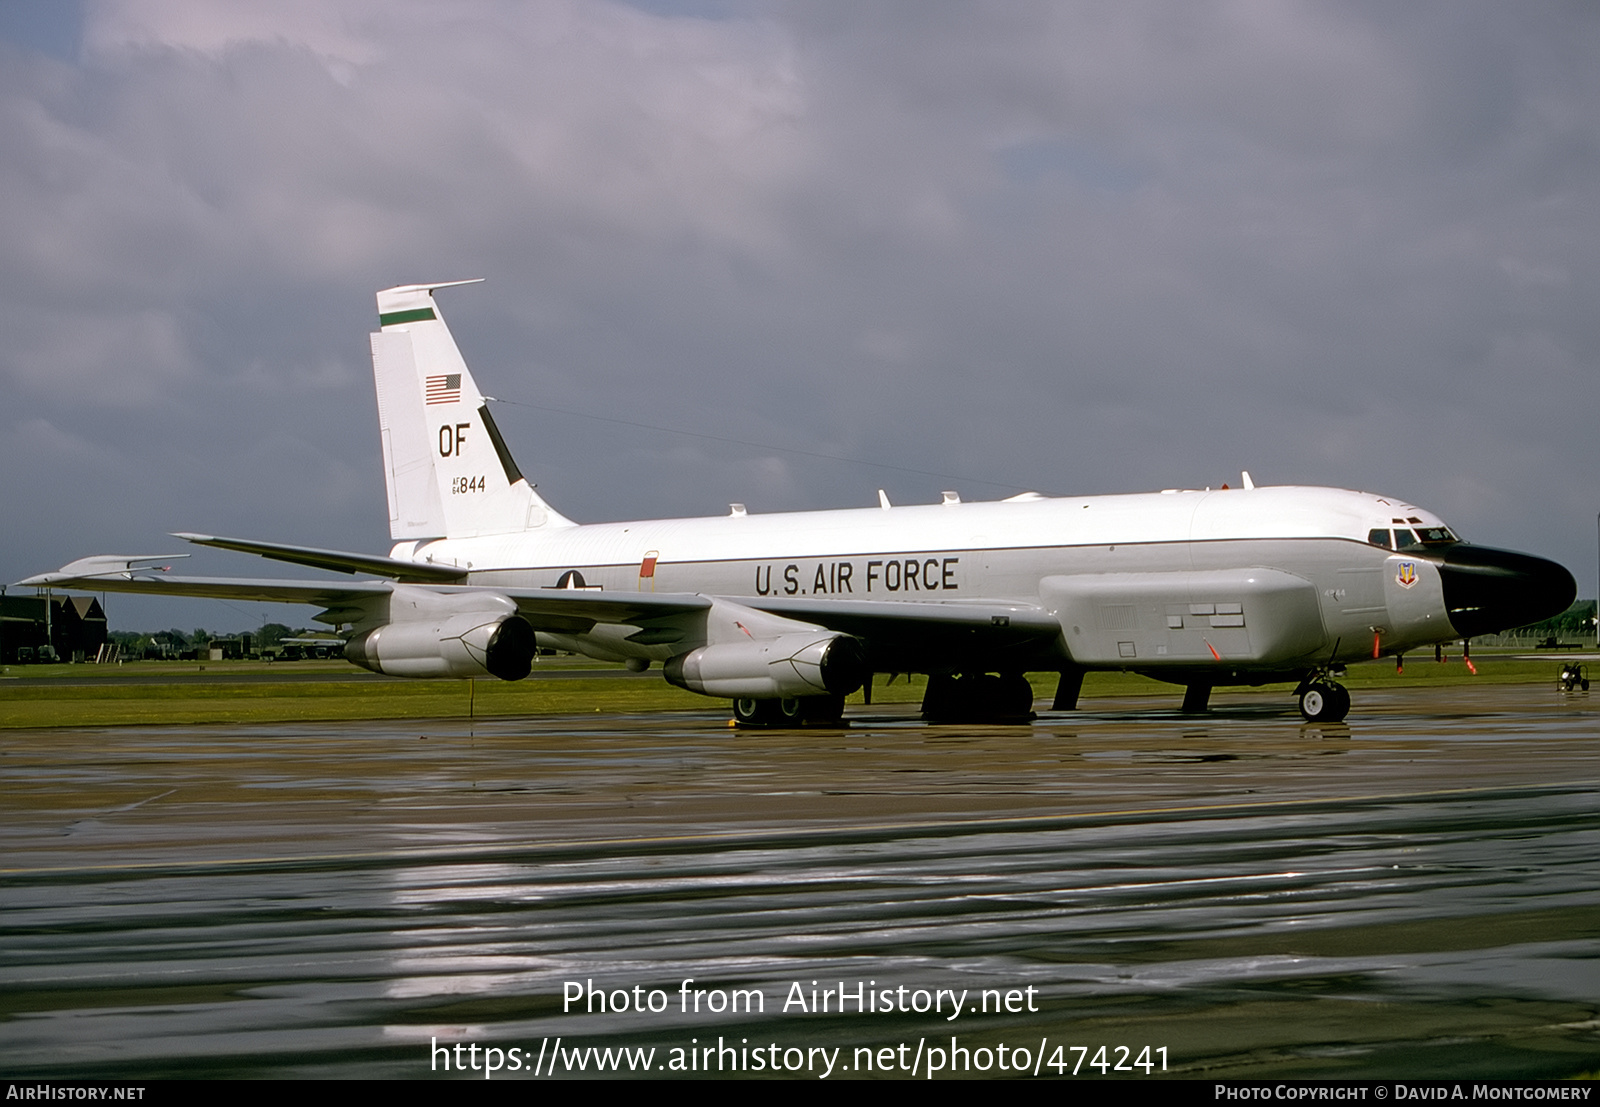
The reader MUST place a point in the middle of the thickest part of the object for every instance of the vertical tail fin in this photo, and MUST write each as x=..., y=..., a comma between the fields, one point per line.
x=447, y=469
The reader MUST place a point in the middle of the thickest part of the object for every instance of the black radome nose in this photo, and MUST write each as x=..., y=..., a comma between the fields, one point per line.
x=1488, y=590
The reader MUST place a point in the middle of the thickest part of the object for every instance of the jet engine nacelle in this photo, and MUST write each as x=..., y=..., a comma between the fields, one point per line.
x=431, y=640
x=816, y=663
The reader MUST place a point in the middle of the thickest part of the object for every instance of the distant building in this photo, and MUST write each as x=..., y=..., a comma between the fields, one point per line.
x=74, y=627
x=234, y=647
x=164, y=645
x=310, y=647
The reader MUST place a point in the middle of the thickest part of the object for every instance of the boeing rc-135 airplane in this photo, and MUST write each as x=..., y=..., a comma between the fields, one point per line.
x=786, y=614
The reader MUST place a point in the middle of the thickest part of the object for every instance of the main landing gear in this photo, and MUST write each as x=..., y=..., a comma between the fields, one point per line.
x=1323, y=700
x=978, y=698
x=753, y=714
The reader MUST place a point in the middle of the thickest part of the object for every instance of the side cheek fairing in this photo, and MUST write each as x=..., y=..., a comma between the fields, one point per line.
x=1488, y=590
x=1414, y=594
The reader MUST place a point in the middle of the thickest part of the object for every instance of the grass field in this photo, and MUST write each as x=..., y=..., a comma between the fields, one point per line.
x=254, y=692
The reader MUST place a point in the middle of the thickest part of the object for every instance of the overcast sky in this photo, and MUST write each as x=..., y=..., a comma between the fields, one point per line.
x=1073, y=247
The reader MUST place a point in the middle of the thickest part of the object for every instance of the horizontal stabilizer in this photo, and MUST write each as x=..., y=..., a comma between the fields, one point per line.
x=108, y=566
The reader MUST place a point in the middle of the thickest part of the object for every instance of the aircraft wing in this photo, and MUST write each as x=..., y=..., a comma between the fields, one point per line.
x=326, y=593
x=337, y=560
x=553, y=609
x=897, y=633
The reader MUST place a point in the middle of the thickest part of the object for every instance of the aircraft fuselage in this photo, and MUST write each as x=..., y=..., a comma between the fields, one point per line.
x=1242, y=584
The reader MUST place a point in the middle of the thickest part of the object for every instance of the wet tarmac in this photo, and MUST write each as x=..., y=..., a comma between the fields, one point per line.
x=1413, y=894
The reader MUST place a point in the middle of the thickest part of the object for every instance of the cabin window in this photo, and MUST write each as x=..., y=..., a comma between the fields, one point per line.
x=1379, y=538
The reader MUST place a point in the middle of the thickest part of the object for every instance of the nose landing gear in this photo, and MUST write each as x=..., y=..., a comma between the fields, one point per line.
x=1323, y=700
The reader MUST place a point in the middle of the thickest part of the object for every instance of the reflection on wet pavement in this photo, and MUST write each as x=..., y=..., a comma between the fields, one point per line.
x=1416, y=893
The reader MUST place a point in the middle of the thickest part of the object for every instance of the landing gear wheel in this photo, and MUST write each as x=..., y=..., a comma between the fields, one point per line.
x=1013, y=698
x=754, y=714
x=1324, y=702
x=978, y=698
x=821, y=710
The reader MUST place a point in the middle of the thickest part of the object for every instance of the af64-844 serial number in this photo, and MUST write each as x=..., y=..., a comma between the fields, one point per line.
x=460, y=485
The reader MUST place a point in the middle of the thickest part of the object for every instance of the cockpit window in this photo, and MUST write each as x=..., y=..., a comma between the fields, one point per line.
x=1405, y=538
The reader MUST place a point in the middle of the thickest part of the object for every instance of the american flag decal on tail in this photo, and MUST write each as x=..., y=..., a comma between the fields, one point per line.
x=443, y=389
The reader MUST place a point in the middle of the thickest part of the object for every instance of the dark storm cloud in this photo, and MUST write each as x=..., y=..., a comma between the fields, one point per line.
x=1078, y=247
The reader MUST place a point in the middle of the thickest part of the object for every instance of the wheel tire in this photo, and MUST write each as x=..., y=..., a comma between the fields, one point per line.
x=1016, y=697
x=1324, y=702
x=942, y=698
x=786, y=712
x=1313, y=702
x=753, y=713
x=822, y=710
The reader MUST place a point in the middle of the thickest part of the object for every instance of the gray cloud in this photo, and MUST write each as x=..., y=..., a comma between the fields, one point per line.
x=1077, y=247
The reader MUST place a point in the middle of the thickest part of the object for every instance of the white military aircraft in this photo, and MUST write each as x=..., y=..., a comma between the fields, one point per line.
x=786, y=614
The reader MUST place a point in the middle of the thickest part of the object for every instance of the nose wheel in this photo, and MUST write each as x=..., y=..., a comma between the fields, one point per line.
x=1323, y=701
